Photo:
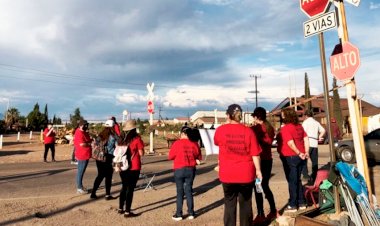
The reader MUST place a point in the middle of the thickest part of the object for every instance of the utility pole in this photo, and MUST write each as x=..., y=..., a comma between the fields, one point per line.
x=255, y=91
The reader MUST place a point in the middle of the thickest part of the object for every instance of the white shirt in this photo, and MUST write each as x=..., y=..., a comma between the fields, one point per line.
x=313, y=128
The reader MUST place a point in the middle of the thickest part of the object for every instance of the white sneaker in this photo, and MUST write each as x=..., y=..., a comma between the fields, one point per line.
x=82, y=191
x=190, y=217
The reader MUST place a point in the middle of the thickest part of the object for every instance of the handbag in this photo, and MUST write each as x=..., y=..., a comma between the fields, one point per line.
x=98, y=150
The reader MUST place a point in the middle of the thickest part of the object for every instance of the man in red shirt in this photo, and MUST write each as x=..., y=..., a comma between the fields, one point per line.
x=186, y=154
x=49, y=141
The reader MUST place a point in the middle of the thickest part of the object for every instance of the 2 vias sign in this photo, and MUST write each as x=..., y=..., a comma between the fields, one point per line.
x=319, y=24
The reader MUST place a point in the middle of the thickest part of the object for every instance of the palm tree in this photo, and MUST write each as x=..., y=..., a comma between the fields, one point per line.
x=11, y=117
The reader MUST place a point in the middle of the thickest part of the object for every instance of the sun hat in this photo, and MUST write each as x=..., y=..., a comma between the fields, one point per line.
x=129, y=125
x=109, y=123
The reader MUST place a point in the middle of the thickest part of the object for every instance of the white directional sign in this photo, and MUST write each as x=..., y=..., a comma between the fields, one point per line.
x=354, y=2
x=319, y=24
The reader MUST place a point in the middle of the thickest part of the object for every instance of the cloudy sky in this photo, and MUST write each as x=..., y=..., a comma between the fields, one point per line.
x=100, y=55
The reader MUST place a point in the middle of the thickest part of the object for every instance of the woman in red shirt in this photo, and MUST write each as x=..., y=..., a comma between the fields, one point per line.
x=239, y=165
x=185, y=154
x=264, y=132
x=82, y=143
x=294, y=142
x=129, y=177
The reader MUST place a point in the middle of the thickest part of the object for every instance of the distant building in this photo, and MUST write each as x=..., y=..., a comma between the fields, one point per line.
x=366, y=110
x=181, y=120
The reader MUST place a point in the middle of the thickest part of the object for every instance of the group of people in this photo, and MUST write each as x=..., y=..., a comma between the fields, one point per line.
x=244, y=156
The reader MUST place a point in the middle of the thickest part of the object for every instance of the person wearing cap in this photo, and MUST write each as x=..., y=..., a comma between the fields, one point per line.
x=129, y=177
x=264, y=132
x=107, y=137
x=315, y=132
x=239, y=165
x=185, y=154
x=82, y=143
x=49, y=141
x=292, y=146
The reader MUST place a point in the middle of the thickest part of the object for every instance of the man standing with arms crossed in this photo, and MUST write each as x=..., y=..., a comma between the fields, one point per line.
x=315, y=133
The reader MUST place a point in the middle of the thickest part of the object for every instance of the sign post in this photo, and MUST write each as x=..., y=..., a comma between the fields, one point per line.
x=150, y=107
x=318, y=24
x=345, y=67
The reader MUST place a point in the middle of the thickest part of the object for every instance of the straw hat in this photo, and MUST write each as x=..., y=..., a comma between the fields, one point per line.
x=129, y=125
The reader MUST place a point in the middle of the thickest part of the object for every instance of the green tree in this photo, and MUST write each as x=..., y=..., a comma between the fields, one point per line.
x=308, y=106
x=36, y=119
x=337, y=110
x=75, y=118
x=57, y=120
x=46, y=114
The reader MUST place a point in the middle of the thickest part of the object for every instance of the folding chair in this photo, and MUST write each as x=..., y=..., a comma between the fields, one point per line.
x=321, y=175
x=147, y=182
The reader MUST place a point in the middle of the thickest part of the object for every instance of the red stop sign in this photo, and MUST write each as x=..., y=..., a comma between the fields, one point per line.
x=314, y=8
x=344, y=61
x=150, y=106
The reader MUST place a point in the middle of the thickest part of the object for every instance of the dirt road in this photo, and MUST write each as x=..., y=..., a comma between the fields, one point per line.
x=37, y=193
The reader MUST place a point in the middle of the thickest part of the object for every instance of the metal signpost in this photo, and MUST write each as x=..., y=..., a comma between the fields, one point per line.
x=344, y=64
x=150, y=109
x=320, y=22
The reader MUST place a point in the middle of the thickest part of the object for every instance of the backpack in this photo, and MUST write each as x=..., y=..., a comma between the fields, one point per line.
x=99, y=149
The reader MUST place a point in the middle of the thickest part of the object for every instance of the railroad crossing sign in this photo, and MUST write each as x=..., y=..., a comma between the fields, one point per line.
x=314, y=8
x=319, y=24
x=344, y=61
x=150, y=106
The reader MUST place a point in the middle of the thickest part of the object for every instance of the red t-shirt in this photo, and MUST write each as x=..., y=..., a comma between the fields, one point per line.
x=265, y=139
x=116, y=127
x=292, y=132
x=82, y=153
x=134, y=146
x=237, y=144
x=184, y=152
x=49, y=139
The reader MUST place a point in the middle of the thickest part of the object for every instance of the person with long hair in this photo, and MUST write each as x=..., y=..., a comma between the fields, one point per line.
x=186, y=154
x=264, y=132
x=129, y=177
x=294, y=142
x=239, y=165
x=107, y=138
x=82, y=143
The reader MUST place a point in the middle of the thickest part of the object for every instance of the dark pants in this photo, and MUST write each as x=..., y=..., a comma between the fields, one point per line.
x=313, y=153
x=233, y=193
x=73, y=156
x=105, y=170
x=184, y=178
x=266, y=170
x=52, y=148
x=296, y=191
x=285, y=166
x=129, y=180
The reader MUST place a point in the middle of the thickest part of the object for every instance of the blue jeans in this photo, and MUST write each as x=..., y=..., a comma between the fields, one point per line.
x=296, y=191
x=82, y=165
x=184, y=178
